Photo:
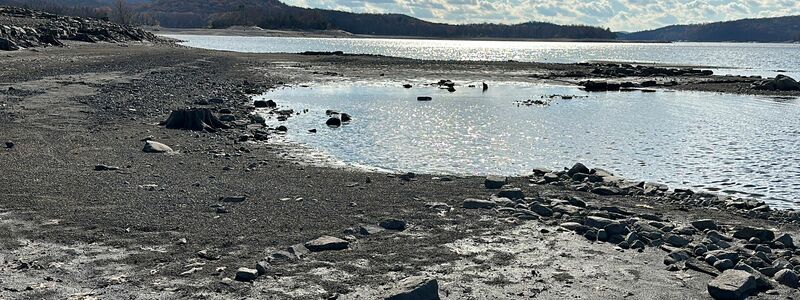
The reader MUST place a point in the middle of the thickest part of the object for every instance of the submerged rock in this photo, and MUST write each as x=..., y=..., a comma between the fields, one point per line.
x=333, y=122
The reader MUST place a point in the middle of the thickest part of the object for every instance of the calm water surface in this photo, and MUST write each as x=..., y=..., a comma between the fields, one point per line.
x=742, y=145
x=727, y=58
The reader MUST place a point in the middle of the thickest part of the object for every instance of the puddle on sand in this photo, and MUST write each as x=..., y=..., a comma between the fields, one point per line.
x=727, y=143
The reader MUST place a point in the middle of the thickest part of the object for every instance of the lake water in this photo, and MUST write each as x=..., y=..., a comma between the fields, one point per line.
x=725, y=58
x=741, y=145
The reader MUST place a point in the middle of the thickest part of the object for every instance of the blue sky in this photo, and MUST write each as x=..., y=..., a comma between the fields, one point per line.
x=619, y=15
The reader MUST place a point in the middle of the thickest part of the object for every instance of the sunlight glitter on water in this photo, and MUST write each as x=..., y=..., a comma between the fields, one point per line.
x=727, y=143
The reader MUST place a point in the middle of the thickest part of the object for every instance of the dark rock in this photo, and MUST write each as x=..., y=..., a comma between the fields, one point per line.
x=415, y=288
x=701, y=267
x=541, y=210
x=478, y=204
x=282, y=128
x=495, y=182
x=732, y=284
x=786, y=240
x=408, y=86
x=704, y=224
x=326, y=243
x=677, y=256
x=574, y=226
x=262, y=267
x=393, y=224
x=345, y=117
x=578, y=168
x=333, y=122
x=246, y=274
x=724, y=264
x=511, y=193
x=676, y=240
x=787, y=277
x=196, y=119
x=265, y=104
x=606, y=191
x=298, y=250
x=551, y=177
x=8, y=45
x=597, y=222
x=9, y=145
x=747, y=232
x=424, y=98
x=575, y=201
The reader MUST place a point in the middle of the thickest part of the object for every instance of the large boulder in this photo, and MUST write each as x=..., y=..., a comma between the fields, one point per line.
x=748, y=232
x=578, y=168
x=732, y=285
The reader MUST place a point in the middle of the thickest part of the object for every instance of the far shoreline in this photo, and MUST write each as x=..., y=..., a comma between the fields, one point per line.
x=337, y=34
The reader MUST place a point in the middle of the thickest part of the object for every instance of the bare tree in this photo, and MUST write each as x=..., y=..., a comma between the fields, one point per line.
x=122, y=13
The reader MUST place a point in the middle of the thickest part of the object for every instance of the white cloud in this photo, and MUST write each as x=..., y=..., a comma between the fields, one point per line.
x=622, y=15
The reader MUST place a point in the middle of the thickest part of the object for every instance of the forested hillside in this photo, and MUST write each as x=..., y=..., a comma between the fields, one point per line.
x=781, y=29
x=273, y=14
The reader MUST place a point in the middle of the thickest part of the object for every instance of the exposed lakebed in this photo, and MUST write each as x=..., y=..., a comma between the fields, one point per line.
x=740, y=145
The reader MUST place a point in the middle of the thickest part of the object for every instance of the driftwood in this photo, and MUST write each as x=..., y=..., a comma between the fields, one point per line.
x=197, y=119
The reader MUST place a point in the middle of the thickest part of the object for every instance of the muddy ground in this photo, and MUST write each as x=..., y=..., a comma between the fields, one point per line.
x=68, y=231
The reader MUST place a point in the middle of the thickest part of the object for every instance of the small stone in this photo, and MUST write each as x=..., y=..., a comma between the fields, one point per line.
x=393, y=224
x=575, y=201
x=298, y=250
x=724, y=264
x=511, y=193
x=326, y=243
x=156, y=147
x=246, y=274
x=415, y=288
x=704, y=224
x=370, y=230
x=105, y=168
x=261, y=268
x=9, y=144
x=541, y=210
x=676, y=256
x=676, y=240
x=478, y=204
x=495, y=182
x=747, y=232
x=732, y=284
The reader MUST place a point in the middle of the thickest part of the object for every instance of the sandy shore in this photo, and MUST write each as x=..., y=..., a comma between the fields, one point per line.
x=154, y=228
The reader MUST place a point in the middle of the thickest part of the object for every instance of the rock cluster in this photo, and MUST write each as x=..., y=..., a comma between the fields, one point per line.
x=779, y=83
x=50, y=29
x=627, y=70
x=744, y=259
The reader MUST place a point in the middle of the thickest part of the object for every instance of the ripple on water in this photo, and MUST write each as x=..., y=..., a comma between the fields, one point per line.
x=737, y=144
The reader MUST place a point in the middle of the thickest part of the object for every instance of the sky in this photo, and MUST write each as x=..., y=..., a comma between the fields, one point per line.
x=619, y=15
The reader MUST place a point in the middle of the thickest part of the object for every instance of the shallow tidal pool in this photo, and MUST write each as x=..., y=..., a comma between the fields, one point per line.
x=740, y=145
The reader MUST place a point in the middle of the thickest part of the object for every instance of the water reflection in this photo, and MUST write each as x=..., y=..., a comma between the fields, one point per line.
x=726, y=143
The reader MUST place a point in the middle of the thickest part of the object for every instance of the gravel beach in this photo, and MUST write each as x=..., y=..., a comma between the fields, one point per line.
x=86, y=214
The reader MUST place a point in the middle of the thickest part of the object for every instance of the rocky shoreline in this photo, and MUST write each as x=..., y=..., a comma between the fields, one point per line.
x=101, y=200
x=25, y=28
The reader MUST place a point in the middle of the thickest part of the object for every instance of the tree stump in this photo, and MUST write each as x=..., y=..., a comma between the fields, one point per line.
x=197, y=119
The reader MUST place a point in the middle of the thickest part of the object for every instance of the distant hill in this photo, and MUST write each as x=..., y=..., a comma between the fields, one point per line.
x=780, y=29
x=274, y=14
